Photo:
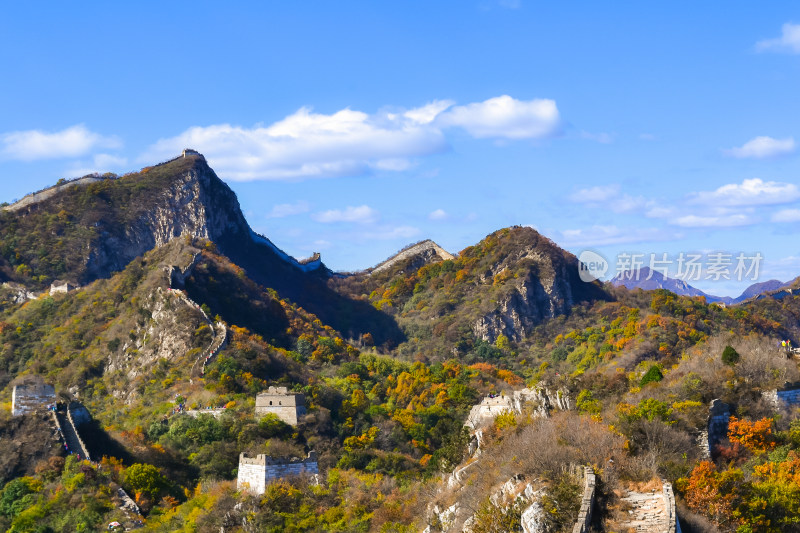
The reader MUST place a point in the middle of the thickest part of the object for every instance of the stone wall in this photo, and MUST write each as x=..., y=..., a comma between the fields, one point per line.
x=584, y=521
x=27, y=397
x=718, y=416
x=49, y=192
x=669, y=503
x=256, y=472
x=788, y=397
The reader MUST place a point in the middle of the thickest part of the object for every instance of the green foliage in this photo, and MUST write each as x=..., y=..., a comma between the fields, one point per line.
x=496, y=519
x=145, y=478
x=587, y=404
x=730, y=356
x=561, y=503
x=18, y=495
x=653, y=375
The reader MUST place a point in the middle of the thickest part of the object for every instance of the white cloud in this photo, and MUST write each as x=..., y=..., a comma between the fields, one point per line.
x=362, y=214
x=349, y=142
x=610, y=197
x=285, y=210
x=787, y=215
x=504, y=117
x=762, y=148
x=428, y=113
x=660, y=211
x=789, y=41
x=598, y=193
x=600, y=235
x=31, y=145
x=438, y=214
x=750, y=192
x=723, y=221
x=647, y=137
x=307, y=145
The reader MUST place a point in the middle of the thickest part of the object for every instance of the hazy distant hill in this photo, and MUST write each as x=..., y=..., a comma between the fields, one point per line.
x=650, y=280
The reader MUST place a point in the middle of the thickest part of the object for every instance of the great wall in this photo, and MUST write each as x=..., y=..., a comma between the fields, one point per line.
x=643, y=511
x=37, y=396
x=176, y=278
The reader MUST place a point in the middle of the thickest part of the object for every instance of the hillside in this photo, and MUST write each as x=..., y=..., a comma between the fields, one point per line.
x=168, y=350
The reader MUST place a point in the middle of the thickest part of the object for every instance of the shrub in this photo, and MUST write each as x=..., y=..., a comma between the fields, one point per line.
x=652, y=375
x=730, y=356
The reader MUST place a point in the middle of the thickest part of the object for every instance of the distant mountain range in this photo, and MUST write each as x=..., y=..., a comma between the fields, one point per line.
x=650, y=280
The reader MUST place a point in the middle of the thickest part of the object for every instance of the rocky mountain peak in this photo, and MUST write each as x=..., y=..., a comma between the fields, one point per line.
x=415, y=256
x=98, y=224
x=540, y=281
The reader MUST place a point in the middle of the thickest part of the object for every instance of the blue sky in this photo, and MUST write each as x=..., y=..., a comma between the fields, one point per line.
x=355, y=128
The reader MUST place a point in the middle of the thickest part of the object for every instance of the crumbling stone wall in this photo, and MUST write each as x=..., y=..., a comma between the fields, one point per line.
x=256, y=472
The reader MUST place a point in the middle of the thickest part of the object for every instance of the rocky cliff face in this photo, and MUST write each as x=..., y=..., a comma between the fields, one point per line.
x=195, y=203
x=96, y=226
x=543, y=283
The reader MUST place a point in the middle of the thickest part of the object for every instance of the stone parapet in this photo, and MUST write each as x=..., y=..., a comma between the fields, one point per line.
x=584, y=521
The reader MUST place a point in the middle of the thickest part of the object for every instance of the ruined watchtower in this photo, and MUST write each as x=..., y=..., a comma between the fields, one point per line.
x=30, y=395
x=256, y=472
x=288, y=406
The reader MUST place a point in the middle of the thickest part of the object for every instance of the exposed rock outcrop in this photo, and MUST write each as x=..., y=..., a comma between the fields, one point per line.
x=543, y=282
x=19, y=293
x=540, y=398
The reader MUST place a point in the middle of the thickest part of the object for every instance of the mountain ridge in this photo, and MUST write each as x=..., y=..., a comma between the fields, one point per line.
x=648, y=280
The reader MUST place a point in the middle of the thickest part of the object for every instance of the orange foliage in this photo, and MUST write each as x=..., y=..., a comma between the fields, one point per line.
x=708, y=491
x=756, y=436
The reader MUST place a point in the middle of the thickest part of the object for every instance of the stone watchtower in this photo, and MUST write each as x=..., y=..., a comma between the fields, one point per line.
x=288, y=406
x=31, y=395
x=256, y=472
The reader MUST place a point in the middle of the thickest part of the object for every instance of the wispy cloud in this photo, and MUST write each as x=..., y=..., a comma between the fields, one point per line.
x=712, y=221
x=787, y=215
x=750, y=192
x=762, y=148
x=75, y=141
x=789, y=41
x=362, y=214
x=601, y=235
x=438, y=214
x=286, y=210
x=610, y=197
x=602, y=137
x=595, y=194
